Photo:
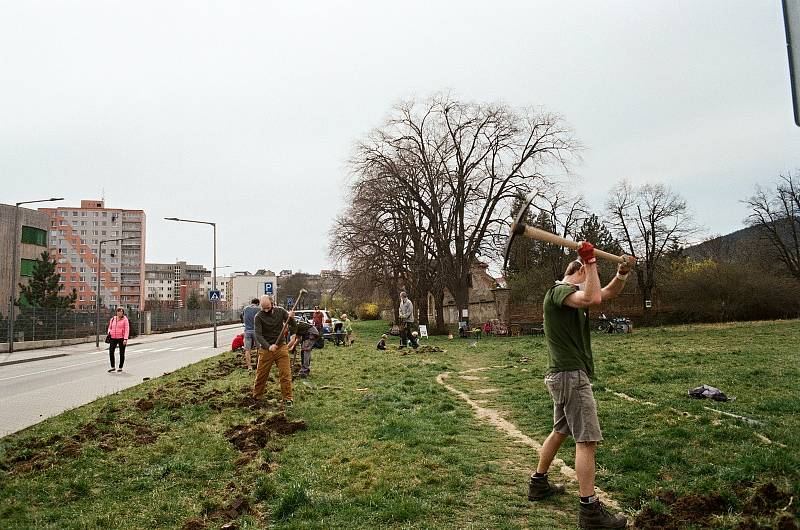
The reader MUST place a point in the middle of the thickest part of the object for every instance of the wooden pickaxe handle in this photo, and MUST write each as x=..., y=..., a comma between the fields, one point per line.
x=542, y=235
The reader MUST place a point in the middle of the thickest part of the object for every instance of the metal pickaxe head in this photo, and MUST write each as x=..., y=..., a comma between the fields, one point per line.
x=518, y=225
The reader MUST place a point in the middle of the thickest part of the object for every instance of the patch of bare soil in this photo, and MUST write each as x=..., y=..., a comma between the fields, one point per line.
x=250, y=437
x=223, y=368
x=231, y=511
x=194, y=523
x=764, y=502
x=689, y=510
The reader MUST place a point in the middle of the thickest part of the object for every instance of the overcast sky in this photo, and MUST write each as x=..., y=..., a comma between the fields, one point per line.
x=244, y=113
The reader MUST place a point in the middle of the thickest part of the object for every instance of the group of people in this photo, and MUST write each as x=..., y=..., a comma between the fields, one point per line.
x=302, y=333
x=568, y=379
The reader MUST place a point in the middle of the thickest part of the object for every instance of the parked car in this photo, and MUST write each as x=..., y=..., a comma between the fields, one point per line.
x=328, y=322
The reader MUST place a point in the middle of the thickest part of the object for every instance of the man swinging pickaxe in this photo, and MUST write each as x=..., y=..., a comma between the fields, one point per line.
x=571, y=368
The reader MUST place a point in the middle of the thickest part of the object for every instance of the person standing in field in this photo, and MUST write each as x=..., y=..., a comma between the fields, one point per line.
x=272, y=348
x=406, y=314
x=570, y=370
x=248, y=319
x=318, y=319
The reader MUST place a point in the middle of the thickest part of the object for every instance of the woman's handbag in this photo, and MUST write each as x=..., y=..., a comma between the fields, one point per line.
x=108, y=339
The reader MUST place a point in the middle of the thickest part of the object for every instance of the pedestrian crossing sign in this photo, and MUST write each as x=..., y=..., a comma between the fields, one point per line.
x=214, y=296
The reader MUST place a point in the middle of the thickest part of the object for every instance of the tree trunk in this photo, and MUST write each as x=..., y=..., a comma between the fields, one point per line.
x=461, y=296
x=438, y=297
x=422, y=309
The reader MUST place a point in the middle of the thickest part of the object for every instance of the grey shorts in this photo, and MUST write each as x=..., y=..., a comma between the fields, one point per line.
x=249, y=340
x=574, y=407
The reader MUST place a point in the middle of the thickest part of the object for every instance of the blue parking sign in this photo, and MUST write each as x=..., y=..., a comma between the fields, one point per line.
x=289, y=301
x=267, y=287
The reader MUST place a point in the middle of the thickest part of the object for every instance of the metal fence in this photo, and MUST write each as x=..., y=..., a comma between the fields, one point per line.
x=31, y=324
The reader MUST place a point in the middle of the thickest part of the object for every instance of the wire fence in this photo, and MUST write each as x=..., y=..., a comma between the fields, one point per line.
x=34, y=324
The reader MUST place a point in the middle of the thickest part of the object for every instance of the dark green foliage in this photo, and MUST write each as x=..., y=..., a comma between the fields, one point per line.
x=43, y=289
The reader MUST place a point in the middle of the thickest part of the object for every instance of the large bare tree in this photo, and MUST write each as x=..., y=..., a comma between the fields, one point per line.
x=648, y=220
x=461, y=165
x=777, y=215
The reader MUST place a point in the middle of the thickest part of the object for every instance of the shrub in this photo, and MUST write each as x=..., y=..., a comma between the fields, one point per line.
x=368, y=311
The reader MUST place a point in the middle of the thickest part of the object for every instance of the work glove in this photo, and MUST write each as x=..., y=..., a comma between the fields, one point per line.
x=586, y=252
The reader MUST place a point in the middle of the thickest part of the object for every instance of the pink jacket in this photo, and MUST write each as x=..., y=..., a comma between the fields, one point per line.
x=119, y=329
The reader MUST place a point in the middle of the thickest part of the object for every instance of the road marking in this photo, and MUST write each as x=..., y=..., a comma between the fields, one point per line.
x=140, y=350
x=51, y=370
x=186, y=348
x=162, y=349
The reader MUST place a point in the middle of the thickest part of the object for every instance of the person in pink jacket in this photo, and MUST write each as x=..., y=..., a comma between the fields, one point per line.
x=118, y=330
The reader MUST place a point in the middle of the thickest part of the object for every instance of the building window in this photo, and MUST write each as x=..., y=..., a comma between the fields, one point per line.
x=26, y=267
x=34, y=236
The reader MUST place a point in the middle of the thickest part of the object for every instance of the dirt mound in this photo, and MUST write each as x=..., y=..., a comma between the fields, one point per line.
x=251, y=437
x=233, y=510
x=223, y=368
x=685, y=511
x=766, y=499
x=195, y=523
x=763, y=501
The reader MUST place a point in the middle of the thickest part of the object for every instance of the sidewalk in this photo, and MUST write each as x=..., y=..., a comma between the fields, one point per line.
x=60, y=351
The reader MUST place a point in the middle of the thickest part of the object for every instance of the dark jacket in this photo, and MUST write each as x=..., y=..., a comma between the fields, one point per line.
x=268, y=326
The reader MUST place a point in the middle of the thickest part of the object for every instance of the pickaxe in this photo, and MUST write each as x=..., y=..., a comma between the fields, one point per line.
x=518, y=227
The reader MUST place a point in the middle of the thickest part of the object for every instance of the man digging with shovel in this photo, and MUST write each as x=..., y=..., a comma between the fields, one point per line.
x=270, y=330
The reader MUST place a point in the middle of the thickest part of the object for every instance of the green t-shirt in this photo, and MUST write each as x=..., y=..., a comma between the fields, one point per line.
x=567, y=332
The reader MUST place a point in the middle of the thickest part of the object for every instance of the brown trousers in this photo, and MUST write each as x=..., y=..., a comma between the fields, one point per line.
x=265, y=359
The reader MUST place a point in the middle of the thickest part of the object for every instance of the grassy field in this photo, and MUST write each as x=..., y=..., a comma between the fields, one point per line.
x=374, y=441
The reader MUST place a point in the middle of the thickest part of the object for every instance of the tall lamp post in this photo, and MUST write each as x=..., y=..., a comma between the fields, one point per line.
x=97, y=299
x=15, y=244
x=214, y=278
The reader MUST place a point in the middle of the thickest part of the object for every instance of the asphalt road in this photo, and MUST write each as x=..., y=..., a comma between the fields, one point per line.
x=33, y=391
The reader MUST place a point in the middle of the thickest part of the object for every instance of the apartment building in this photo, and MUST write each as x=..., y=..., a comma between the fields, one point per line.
x=74, y=241
x=31, y=241
x=172, y=284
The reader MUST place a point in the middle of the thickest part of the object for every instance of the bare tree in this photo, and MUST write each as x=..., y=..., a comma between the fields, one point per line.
x=777, y=215
x=648, y=220
x=461, y=165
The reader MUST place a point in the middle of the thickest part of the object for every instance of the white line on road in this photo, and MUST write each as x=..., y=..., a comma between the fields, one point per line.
x=51, y=370
x=186, y=348
x=140, y=350
x=162, y=349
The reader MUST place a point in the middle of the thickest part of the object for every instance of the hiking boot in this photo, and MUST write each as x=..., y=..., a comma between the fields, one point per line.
x=540, y=488
x=595, y=515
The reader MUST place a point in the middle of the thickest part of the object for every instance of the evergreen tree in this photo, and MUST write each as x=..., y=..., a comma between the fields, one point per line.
x=43, y=289
x=193, y=303
x=596, y=233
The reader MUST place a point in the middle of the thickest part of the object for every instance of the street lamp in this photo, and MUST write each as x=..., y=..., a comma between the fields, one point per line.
x=12, y=293
x=97, y=299
x=214, y=278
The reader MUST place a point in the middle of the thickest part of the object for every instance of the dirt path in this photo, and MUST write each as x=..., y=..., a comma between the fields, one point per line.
x=494, y=418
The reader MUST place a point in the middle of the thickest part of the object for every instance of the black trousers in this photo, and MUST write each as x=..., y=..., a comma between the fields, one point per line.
x=112, y=347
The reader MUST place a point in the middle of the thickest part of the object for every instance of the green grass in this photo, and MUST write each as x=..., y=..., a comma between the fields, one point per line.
x=386, y=446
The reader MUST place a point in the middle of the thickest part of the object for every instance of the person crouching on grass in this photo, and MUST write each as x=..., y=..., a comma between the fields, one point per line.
x=268, y=324
x=570, y=370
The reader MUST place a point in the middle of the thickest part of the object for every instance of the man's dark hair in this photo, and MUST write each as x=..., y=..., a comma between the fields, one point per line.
x=254, y=301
